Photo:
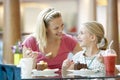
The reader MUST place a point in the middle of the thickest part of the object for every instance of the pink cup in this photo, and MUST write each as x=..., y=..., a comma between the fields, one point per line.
x=109, y=61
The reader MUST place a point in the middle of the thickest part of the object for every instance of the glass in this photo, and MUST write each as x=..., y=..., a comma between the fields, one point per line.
x=109, y=61
x=26, y=67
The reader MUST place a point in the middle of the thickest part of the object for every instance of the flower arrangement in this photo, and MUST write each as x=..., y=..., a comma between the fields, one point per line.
x=17, y=48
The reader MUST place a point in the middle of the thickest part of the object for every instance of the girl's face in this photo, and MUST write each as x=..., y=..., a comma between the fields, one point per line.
x=55, y=28
x=84, y=37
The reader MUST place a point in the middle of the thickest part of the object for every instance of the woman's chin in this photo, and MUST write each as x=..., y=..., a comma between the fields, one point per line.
x=59, y=36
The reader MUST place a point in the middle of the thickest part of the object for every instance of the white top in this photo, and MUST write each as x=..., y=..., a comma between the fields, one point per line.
x=93, y=62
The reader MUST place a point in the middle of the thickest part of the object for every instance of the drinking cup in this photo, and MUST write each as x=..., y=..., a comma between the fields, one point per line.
x=26, y=67
x=109, y=61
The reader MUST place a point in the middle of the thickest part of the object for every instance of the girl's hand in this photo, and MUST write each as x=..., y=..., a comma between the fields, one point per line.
x=100, y=58
x=68, y=64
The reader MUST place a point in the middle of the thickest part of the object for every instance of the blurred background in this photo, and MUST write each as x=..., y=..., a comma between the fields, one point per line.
x=19, y=16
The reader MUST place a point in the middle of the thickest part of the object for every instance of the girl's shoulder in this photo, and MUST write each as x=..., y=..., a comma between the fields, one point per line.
x=101, y=52
x=78, y=54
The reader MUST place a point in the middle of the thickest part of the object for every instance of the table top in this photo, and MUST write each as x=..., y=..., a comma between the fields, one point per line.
x=69, y=75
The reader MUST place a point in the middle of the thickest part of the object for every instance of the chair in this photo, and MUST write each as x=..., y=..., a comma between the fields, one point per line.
x=10, y=72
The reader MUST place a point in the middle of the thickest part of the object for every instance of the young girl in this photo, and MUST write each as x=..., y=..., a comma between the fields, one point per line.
x=92, y=39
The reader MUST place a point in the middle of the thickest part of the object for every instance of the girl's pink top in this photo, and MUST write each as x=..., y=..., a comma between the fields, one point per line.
x=67, y=45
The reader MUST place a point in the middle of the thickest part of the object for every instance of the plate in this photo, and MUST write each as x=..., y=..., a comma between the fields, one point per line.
x=82, y=72
x=46, y=75
x=46, y=72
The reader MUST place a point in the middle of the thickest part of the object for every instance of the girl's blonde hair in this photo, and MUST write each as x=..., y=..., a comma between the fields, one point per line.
x=44, y=17
x=96, y=28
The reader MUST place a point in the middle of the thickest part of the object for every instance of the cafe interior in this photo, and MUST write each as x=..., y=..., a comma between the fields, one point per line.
x=18, y=19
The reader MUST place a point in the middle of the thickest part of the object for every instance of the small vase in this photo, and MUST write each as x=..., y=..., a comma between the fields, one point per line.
x=17, y=57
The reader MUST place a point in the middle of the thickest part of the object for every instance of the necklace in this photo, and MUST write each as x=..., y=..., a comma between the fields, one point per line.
x=88, y=65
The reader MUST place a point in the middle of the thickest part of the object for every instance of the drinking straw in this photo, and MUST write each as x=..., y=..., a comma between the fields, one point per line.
x=109, y=46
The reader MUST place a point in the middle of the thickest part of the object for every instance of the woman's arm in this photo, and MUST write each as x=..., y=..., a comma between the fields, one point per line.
x=27, y=52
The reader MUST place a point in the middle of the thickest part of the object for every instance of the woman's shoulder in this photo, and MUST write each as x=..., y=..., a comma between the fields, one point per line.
x=29, y=38
x=69, y=42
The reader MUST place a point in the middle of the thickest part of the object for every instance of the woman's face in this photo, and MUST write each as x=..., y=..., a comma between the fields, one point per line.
x=55, y=28
x=84, y=37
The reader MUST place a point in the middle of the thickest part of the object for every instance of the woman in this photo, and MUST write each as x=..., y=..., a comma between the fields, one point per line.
x=91, y=37
x=49, y=43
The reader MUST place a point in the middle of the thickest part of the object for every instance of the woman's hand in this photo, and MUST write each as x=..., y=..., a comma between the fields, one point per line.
x=27, y=52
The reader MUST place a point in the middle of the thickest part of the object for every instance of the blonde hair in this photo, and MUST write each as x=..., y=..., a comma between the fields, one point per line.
x=44, y=17
x=96, y=28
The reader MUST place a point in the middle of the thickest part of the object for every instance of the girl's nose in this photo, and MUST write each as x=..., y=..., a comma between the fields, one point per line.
x=78, y=36
x=60, y=30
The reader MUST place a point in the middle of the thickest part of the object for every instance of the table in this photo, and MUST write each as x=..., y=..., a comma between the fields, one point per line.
x=69, y=76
